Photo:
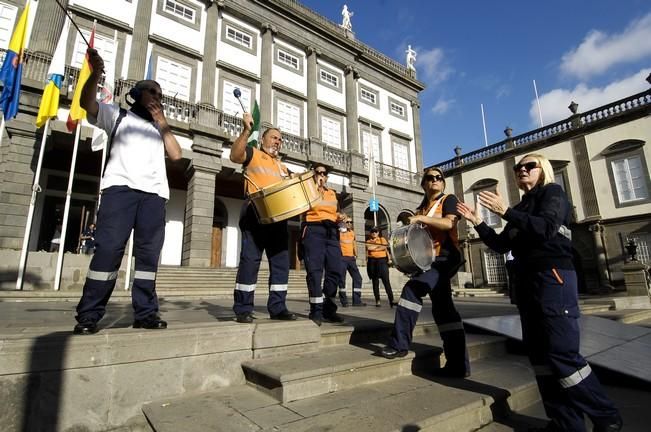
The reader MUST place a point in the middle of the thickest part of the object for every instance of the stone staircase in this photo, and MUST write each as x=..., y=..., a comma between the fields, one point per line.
x=341, y=385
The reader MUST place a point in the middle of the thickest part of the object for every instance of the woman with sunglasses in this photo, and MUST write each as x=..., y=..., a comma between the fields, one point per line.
x=321, y=251
x=546, y=295
x=438, y=213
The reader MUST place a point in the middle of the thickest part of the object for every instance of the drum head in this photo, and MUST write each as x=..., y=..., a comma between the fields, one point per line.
x=419, y=243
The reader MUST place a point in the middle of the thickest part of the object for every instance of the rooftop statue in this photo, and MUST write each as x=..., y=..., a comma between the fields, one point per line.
x=345, y=18
x=411, y=58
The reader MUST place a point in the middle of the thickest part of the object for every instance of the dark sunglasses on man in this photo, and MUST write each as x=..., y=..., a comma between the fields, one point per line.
x=321, y=173
x=527, y=166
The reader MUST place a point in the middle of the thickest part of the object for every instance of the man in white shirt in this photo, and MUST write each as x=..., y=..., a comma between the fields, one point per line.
x=134, y=194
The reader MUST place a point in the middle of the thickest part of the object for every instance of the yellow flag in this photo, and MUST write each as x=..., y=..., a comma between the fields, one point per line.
x=76, y=111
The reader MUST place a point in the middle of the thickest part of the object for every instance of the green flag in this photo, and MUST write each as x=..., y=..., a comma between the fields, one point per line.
x=255, y=131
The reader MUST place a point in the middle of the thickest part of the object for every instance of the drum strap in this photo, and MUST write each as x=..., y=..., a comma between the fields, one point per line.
x=436, y=206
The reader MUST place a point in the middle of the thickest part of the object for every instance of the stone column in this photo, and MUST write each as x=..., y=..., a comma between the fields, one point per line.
x=352, y=124
x=199, y=207
x=266, y=59
x=600, y=251
x=415, y=110
x=209, y=55
x=139, y=40
x=48, y=24
x=312, y=80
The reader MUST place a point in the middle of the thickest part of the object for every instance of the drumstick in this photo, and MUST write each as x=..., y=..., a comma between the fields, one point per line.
x=237, y=93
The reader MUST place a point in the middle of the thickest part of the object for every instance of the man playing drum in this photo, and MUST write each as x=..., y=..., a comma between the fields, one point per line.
x=262, y=168
x=438, y=213
x=321, y=251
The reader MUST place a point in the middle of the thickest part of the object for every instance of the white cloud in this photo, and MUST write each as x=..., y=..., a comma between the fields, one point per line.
x=599, y=51
x=554, y=103
x=432, y=65
x=442, y=106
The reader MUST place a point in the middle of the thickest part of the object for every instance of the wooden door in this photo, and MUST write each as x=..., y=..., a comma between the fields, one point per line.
x=216, y=254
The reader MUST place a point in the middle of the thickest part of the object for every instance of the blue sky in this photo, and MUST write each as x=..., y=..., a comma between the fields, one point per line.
x=489, y=52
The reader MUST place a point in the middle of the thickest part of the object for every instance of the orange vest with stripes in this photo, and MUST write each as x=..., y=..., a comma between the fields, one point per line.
x=347, y=243
x=377, y=253
x=326, y=209
x=438, y=236
x=263, y=170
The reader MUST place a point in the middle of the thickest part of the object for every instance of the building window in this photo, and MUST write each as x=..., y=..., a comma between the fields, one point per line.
x=174, y=78
x=494, y=267
x=239, y=37
x=643, y=242
x=630, y=181
x=179, y=10
x=371, y=139
x=286, y=58
x=628, y=172
x=369, y=96
x=230, y=104
x=328, y=78
x=7, y=19
x=289, y=117
x=491, y=219
x=331, y=132
x=401, y=156
x=397, y=109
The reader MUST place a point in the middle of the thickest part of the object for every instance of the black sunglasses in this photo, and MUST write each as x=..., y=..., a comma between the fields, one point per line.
x=527, y=166
x=323, y=173
x=431, y=177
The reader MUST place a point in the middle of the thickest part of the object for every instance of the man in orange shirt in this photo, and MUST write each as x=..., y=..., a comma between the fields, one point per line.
x=377, y=265
x=321, y=251
x=262, y=168
x=349, y=264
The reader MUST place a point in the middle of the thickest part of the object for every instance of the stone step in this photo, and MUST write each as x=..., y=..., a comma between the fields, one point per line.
x=626, y=316
x=423, y=403
x=477, y=292
x=345, y=366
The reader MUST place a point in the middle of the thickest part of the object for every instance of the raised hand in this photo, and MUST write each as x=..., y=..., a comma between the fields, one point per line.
x=95, y=61
x=493, y=202
x=247, y=122
x=467, y=212
x=157, y=113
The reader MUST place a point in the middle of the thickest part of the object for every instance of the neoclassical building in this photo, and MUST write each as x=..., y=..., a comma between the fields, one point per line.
x=335, y=99
x=601, y=158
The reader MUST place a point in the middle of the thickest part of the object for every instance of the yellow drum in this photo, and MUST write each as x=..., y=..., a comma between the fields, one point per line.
x=286, y=199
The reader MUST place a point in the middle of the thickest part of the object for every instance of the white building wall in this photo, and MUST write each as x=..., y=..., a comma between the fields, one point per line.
x=287, y=78
x=231, y=233
x=597, y=142
x=117, y=9
x=177, y=32
x=174, y=218
x=235, y=56
x=470, y=177
x=329, y=95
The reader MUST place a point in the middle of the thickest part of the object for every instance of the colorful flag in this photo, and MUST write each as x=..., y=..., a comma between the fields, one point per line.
x=50, y=100
x=372, y=175
x=255, y=130
x=76, y=111
x=12, y=68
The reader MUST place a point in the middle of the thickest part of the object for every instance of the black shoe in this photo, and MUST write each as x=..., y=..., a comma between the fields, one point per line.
x=317, y=321
x=615, y=425
x=334, y=318
x=152, y=322
x=448, y=372
x=391, y=353
x=284, y=316
x=359, y=304
x=344, y=305
x=377, y=303
x=551, y=427
x=392, y=304
x=85, y=328
x=245, y=318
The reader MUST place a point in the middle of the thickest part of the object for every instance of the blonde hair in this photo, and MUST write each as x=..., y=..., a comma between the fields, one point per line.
x=546, y=170
x=423, y=204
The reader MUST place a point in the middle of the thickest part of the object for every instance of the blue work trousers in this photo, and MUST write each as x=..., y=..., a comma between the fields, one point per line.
x=256, y=239
x=123, y=209
x=349, y=264
x=322, y=253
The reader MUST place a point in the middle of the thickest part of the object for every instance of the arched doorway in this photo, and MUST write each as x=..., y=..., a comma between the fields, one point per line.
x=219, y=218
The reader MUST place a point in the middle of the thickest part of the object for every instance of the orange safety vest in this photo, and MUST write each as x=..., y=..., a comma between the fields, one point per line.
x=347, y=243
x=377, y=253
x=325, y=210
x=438, y=237
x=263, y=170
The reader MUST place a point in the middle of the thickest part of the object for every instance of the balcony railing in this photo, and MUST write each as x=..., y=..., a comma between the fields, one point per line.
x=571, y=124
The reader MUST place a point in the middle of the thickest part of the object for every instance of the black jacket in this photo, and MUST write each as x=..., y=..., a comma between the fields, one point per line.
x=532, y=232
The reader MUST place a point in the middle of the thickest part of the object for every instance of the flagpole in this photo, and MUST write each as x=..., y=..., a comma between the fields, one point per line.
x=36, y=188
x=535, y=89
x=2, y=129
x=66, y=210
x=483, y=121
x=127, y=275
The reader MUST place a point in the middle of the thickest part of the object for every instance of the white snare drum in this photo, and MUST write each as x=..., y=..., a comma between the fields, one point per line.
x=412, y=249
